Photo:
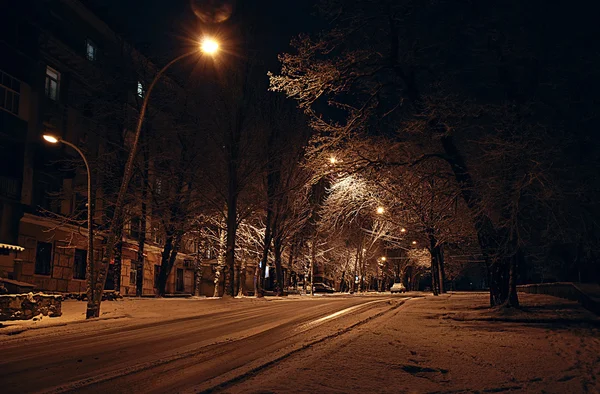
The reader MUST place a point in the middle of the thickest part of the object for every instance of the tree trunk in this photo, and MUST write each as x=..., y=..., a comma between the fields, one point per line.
x=242, y=278
x=197, y=277
x=513, y=299
x=355, y=268
x=487, y=235
x=117, y=266
x=164, y=262
x=277, y=250
x=139, y=280
x=231, y=234
x=441, y=273
x=221, y=261
x=260, y=271
x=313, y=257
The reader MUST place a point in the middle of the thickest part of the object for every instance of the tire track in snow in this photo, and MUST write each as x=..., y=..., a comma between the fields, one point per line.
x=240, y=374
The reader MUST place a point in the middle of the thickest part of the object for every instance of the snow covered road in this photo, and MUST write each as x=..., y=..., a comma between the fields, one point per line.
x=198, y=352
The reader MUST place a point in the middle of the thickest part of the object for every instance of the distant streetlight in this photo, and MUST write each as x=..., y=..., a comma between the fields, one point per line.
x=90, y=260
x=380, y=210
x=402, y=230
x=414, y=242
x=332, y=160
x=383, y=258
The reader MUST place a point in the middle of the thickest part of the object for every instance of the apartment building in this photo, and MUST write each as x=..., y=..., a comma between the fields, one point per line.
x=65, y=72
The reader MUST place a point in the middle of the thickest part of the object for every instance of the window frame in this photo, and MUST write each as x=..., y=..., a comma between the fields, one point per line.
x=77, y=267
x=43, y=267
x=89, y=44
x=133, y=272
x=11, y=93
x=48, y=81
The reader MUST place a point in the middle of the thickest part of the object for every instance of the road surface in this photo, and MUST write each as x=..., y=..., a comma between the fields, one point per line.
x=192, y=354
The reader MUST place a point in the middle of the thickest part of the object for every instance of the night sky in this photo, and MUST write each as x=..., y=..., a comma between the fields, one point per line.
x=159, y=29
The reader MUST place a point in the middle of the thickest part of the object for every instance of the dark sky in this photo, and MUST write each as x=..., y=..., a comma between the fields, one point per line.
x=159, y=28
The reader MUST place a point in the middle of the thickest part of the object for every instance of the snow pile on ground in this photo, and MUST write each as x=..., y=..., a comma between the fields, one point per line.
x=452, y=343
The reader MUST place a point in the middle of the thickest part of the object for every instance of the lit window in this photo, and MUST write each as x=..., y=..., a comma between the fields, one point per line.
x=10, y=93
x=90, y=50
x=52, y=83
x=140, y=90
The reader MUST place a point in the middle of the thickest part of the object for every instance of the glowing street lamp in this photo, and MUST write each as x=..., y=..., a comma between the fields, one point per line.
x=380, y=210
x=383, y=258
x=332, y=160
x=90, y=259
x=414, y=242
x=402, y=230
x=209, y=46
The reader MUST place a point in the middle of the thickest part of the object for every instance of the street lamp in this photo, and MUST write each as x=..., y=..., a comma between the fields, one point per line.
x=402, y=230
x=90, y=259
x=380, y=210
x=414, y=242
x=208, y=46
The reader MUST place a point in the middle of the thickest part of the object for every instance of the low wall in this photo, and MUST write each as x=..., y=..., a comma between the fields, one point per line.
x=565, y=290
x=26, y=306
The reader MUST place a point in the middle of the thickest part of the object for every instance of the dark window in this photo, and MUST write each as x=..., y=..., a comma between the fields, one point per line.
x=10, y=93
x=80, y=264
x=43, y=258
x=134, y=231
x=156, y=273
x=179, y=279
x=133, y=273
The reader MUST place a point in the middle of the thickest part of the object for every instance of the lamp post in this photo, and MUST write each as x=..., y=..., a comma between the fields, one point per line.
x=208, y=46
x=90, y=254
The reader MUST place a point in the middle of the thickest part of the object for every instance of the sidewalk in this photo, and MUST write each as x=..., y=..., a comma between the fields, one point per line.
x=451, y=343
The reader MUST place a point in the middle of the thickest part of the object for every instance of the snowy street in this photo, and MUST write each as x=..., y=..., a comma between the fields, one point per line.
x=370, y=343
x=169, y=344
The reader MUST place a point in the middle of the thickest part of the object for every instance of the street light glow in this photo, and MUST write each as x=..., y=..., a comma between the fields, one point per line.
x=380, y=210
x=51, y=139
x=383, y=258
x=209, y=46
x=414, y=242
x=402, y=230
x=332, y=160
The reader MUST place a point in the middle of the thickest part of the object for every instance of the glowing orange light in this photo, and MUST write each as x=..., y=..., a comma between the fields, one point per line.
x=209, y=46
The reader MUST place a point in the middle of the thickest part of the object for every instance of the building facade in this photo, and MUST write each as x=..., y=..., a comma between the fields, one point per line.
x=64, y=72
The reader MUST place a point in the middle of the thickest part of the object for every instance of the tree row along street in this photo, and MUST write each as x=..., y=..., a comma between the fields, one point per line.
x=172, y=355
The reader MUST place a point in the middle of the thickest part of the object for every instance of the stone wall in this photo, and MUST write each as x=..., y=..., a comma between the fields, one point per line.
x=26, y=306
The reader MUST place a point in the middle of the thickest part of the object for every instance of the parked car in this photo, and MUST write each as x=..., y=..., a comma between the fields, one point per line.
x=322, y=288
x=398, y=288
